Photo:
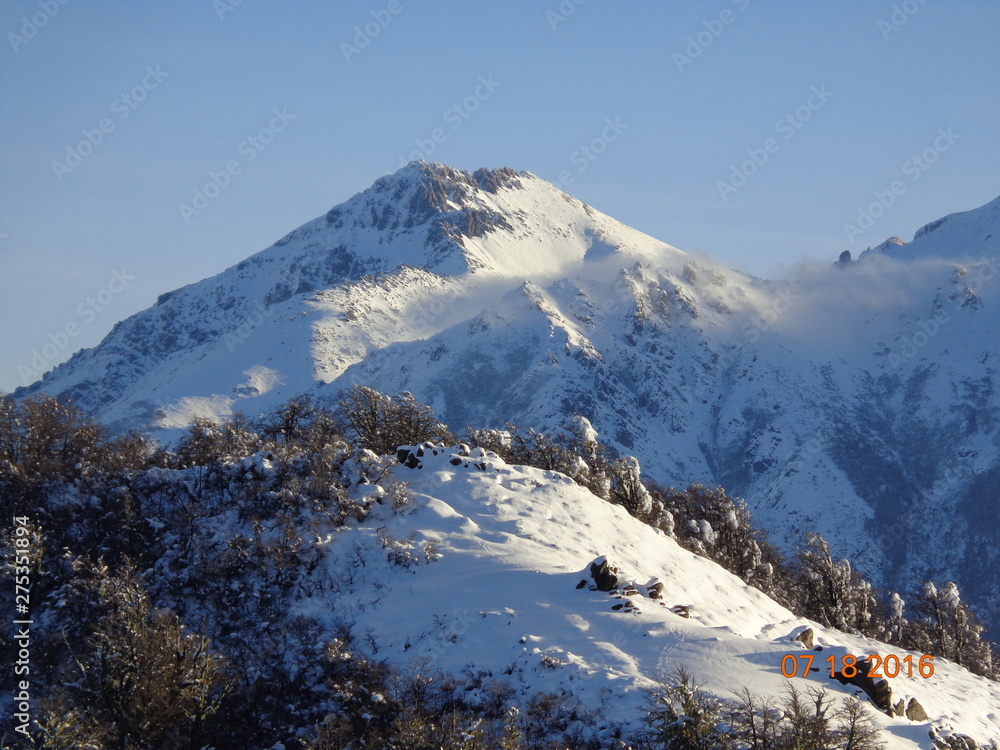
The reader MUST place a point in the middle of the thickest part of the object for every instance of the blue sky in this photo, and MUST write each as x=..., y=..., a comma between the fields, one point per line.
x=751, y=131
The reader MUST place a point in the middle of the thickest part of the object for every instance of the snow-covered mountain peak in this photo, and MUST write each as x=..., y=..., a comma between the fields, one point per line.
x=447, y=206
x=417, y=252
x=958, y=236
x=461, y=222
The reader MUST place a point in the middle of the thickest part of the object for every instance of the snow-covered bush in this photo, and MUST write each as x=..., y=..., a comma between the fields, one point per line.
x=140, y=679
x=380, y=423
x=208, y=441
x=709, y=522
x=682, y=716
x=833, y=593
x=235, y=534
x=573, y=450
x=943, y=625
x=628, y=490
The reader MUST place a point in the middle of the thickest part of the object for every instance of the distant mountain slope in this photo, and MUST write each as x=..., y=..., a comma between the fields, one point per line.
x=961, y=236
x=857, y=400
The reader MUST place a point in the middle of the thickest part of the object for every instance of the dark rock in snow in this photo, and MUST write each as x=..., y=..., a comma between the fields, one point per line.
x=407, y=456
x=806, y=638
x=604, y=574
x=877, y=688
x=916, y=712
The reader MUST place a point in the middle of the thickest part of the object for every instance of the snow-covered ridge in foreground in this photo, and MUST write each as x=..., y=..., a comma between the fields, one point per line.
x=512, y=546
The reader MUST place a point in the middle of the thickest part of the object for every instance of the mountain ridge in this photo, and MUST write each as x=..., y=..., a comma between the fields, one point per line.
x=830, y=401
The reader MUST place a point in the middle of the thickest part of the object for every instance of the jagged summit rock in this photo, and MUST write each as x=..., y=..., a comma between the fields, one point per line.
x=449, y=204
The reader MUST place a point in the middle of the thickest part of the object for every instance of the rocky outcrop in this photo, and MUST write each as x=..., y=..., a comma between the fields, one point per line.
x=608, y=578
x=654, y=589
x=915, y=712
x=876, y=688
x=949, y=740
x=604, y=574
x=806, y=638
x=462, y=455
x=879, y=691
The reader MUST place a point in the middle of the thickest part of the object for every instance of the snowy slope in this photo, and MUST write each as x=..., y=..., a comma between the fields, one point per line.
x=513, y=543
x=858, y=400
